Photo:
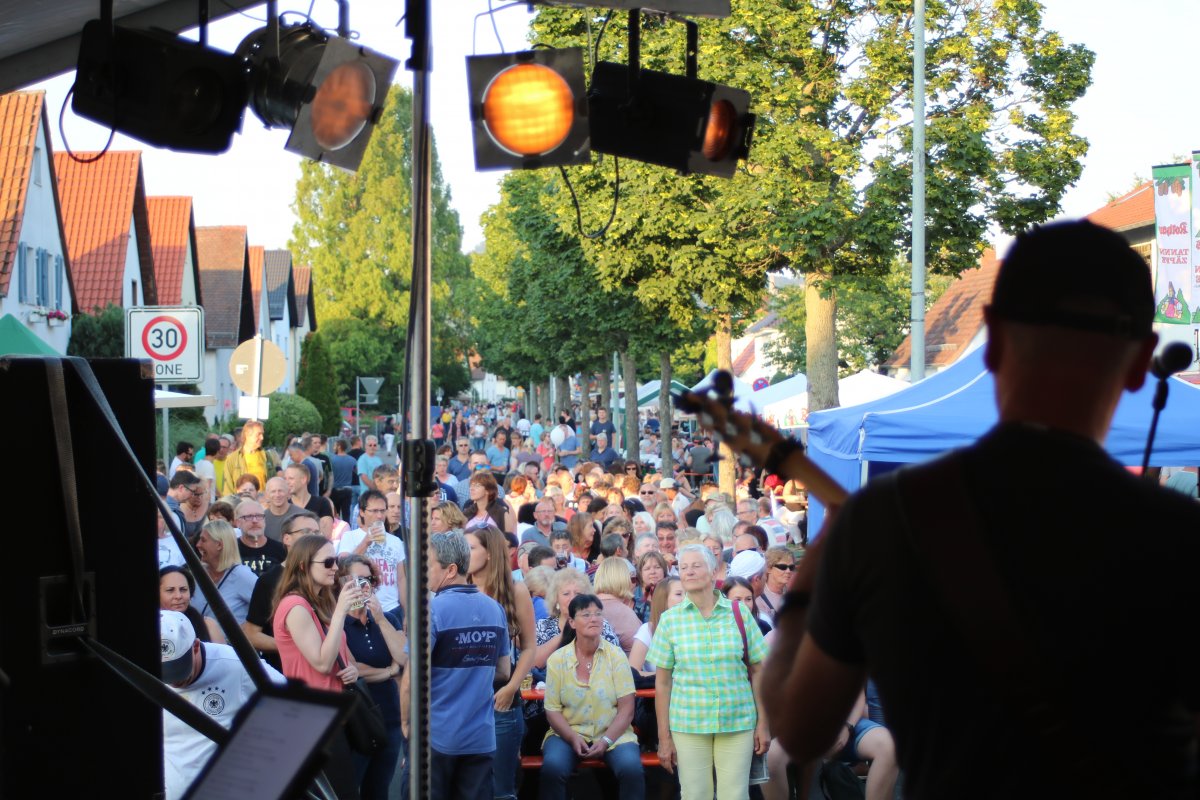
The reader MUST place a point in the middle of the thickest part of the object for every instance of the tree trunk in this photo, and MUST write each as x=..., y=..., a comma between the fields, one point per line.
x=726, y=477
x=629, y=368
x=820, y=308
x=562, y=396
x=585, y=417
x=606, y=403
x=544, y=404
x=664, y=413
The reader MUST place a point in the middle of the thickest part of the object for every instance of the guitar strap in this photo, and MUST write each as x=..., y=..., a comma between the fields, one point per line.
x=946, y=533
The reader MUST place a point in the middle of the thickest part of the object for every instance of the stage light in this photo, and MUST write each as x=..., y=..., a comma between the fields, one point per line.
x=326, y=90
x=686, y=124
x=528, y=109
x=159, y=88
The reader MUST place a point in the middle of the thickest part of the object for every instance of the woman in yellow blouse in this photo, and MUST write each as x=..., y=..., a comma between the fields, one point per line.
x=589, y=705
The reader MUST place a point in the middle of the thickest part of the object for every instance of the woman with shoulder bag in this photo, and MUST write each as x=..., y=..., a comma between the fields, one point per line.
x=708, y=716
x=309, y=622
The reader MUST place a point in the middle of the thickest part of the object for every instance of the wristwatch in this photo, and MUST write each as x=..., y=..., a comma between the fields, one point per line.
x=607, y=740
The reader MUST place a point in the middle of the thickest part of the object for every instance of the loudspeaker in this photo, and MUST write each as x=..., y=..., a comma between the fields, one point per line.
x=71, y=727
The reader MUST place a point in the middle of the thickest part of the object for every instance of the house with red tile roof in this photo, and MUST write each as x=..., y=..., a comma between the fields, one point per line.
x=35, y=276
x=224, y=267
x=173, y=250
x=280, y=288
x=262, y=322
x=103, y=201
x=954, y=325
x=306, y=308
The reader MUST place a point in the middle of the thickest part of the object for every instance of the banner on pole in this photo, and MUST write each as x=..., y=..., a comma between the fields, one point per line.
x=1175, y=292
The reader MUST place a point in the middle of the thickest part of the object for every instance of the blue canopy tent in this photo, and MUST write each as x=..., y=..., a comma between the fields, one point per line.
x=955, y=407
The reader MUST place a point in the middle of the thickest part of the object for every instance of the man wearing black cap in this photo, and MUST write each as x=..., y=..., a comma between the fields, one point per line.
x=1026, y=605
x=210, y=677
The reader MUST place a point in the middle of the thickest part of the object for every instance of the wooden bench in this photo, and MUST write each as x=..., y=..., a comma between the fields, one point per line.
x=535, y=762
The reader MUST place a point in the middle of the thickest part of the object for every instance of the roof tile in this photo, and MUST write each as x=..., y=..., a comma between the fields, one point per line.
x=99, y=199
x=170, y=236
x=1133, y=209
x=304, y=302
x=20, y=113
x=956, y=317
x=221, y=258
x=281, y=292
x=257, y=256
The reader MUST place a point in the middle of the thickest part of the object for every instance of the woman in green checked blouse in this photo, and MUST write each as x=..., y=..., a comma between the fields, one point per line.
x=707, y=713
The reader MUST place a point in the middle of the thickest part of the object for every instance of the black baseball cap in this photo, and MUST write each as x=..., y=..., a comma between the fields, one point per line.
x=1076, y=275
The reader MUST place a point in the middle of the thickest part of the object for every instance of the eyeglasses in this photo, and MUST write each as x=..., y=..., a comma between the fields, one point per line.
x=787, y=567
x=253, y=517
x=328, y=563
x=374, y=510
x=589, y=615
x=648, y=494
x=301, y=531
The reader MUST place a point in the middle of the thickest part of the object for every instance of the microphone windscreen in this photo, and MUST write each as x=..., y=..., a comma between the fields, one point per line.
x=1173, y=358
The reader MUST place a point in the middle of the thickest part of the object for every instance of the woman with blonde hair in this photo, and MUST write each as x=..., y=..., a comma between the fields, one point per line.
x=567, y=583
x=446, y=516
x=489, y=570
x=616, y=593
x=585, y=544
x=218, y=550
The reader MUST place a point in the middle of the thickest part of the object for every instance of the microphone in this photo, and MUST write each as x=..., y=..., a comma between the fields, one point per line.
x=1173, y=358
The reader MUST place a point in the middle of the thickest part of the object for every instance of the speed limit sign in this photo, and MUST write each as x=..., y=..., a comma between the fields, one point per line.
x=169, y=337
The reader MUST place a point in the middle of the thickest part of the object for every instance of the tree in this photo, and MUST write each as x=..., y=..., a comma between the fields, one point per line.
x=873, y=319
x=290, y=414
x=317, y=384
x=827, y=188
x=356, y=230
x=100, y=334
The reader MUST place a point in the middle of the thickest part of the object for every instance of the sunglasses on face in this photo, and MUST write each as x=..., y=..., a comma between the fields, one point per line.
x=328, y=563
x=787, y=567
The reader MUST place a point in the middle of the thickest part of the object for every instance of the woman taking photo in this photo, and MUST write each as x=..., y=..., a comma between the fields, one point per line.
x=489, y=570
x=309, y=622
x=707, y=715
x=589, y=705
x=218, y=550
x=376, y=641
x=175, y=588
x=651, y=568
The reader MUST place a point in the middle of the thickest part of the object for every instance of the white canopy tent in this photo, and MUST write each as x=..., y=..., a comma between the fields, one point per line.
x=861, y=387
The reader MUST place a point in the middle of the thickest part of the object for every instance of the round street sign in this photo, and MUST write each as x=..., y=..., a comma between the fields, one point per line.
x=171, y=338
x=274, y=366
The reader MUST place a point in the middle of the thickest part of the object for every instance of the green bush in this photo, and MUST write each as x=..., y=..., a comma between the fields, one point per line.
x=289, y=414
x=100, y=334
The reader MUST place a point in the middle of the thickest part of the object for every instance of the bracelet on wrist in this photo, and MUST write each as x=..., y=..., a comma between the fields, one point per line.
x=780, y=452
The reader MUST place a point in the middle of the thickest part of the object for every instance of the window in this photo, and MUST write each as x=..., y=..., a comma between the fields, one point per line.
x=59, y=274
x=29, y=282
x=133, y=295
x=21, y=270
x=37, y=166
x=42, y=285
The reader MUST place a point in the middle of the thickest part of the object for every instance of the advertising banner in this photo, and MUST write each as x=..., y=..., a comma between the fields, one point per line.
x=1173, y=286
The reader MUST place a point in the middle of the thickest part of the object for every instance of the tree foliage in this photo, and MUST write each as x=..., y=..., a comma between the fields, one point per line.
x=827, y=188
x=98, y=335
x=356, y=231
x=317, y=384
x=290, y=414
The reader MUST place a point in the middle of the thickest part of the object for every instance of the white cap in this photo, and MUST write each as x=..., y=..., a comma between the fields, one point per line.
x=178, y=636
x=747, y=564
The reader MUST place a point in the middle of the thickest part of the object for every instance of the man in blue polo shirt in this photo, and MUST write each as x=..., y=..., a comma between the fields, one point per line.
x=468, y=651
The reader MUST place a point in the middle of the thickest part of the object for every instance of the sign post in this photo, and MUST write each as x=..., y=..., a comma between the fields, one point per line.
x=257, y=367
x=366, y=391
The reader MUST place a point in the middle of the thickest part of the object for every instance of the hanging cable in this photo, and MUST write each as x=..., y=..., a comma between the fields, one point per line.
x=63, y=134
x=579, y=213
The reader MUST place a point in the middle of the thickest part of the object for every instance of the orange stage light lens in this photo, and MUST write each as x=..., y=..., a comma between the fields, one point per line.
x=342, y=105
x=528, y=109
x=718, y=134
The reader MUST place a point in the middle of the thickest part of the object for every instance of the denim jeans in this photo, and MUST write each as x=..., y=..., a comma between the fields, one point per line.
x=510, y=728
x=460, y=777
x=558, y=762
x=374, y=773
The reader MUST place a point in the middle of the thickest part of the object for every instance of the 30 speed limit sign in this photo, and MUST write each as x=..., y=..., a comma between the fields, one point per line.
x=169, y=337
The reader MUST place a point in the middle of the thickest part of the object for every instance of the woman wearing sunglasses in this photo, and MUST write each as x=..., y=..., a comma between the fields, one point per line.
x=376, y=640
x=781, y=564
x=309, y=622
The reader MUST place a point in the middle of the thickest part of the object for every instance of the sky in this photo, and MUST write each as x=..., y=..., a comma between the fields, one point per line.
x=1136, y=114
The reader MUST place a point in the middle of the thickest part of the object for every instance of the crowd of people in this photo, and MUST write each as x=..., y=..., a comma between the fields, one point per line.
x=587, y=561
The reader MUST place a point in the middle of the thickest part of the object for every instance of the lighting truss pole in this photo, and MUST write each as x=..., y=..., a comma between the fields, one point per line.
x=916, y=366
x=417, y=28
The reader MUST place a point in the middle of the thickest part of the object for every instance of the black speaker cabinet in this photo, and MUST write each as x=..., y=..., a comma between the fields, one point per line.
x=72, y=728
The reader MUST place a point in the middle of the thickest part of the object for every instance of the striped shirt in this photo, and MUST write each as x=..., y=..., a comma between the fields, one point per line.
x=710, y=692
